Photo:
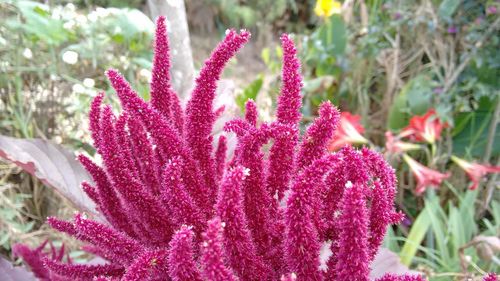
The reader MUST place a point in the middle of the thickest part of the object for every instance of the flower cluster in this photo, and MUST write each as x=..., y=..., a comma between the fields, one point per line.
x=175, y=206
x=426, y=128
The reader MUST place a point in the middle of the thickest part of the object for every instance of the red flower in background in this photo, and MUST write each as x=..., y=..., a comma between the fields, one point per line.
x=475, y=171
x=349, y=132
x=394, y=144
x=426, y=177
x=424, y=128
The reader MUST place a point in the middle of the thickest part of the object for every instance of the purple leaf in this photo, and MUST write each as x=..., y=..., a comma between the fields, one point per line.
x=52, y=164
x=8, y=272
x=388, y=262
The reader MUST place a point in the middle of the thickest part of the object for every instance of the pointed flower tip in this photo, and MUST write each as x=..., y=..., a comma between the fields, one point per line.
x=328, y=110
x=286, y=38
x=239, y=172
x=245, y=34
x=112, y=73
x=160, y=21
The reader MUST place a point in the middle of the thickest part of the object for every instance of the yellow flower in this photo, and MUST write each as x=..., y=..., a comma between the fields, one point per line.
x=326, y=8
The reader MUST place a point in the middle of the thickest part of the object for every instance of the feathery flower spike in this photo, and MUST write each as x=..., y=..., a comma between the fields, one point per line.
x=176, y=198
x=199, y=110
x=212, y=256
x=314, y=144
x=151, y=265
x=83, y=271
x=281, y=155
x=238, y=243
x=490, y=277
x=353, y=238
x=181, y=263
x=406, y=277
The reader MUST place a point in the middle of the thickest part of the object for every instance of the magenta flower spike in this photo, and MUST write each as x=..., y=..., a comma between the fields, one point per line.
x=257, y=201
x=176, y=198
x=151, y=265
x=83, y=271
x=315, y=142
x=392, y=277
x=289, y=101
x=91, y=193
x=199, y=110
x=34, y=258
x=281, y=156
x=379, y=218
x=167, y=139
x=181, y=263
x=144, y=154
x=162, y=170
x=238, y=243
x=161, y=89
x=251, y=114
x=353, y=237
x=115, y=244
x=137, y=199
x=212, y=256
x=62, y=226
x=302, y=244
x=490, y=277
x=110, y=205
x=95, y=119
x=220, y=157
x=163, y=97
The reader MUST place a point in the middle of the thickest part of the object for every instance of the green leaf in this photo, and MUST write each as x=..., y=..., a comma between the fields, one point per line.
x=470, y=136
x=266, y=55
x=415, y=237
x=415, y=98
x=250, y=92
x=448, y=8
x=398, y=117
x=332, y=36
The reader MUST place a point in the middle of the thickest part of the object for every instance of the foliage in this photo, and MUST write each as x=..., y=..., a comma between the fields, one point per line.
x=452, y=227
x=52, y=58
x=54, y=39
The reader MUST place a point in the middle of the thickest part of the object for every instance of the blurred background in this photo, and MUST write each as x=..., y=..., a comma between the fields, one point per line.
x=415, y=80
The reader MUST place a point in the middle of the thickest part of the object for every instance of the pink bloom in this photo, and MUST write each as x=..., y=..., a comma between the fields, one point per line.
x=289, y=277
x=181, y=261
x=200, y=117
x=315, y=141
x=394, y=145
x=238, y=242
x=424, y=128
x=474, y=171
x=212, y=256
x=220, y=157
x=182, y=209
x=353, y=236
x=34, y=258
x=151, y=265
x=490, y=277
x=407, y=277
x=251, y=112
x=425, y=177
x=83, y=271
x=281, y=160
x=349, y=131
